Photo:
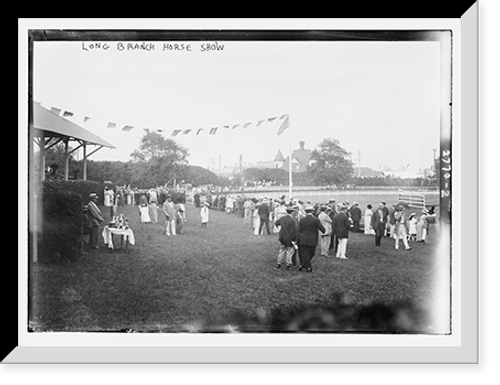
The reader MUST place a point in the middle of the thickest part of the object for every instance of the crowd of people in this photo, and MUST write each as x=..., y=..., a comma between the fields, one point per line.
x=301, y=227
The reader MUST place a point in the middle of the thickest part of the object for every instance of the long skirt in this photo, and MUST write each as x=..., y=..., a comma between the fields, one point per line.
x=153, y=212
x=368, y=226
x=421, y=232
x=144, y=212
x=256, y=224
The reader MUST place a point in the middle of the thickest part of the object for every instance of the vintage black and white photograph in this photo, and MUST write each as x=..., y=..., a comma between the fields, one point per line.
x=203, y=181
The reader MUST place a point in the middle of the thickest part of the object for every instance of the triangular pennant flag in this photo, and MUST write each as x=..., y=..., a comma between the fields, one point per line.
x=213, y=130
x=55, y=110
x=199, y=130
x=67, y=113
x=272, y=119
x=284, y=125
x=247, y=124
x=160, y=130
x=86, y=119
x=147, y=130
x=282, y=116
x=176, y=132
x=185, y=132
x=226, y=127
x=236, y=125
x=260, y=122
x=127, y=128
x=111, y=125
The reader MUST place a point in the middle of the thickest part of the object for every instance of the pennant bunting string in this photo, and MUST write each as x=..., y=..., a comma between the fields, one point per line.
x=55, y=110
x=184, y=131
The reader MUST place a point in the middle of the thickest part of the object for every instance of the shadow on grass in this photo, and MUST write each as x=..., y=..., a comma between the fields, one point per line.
x=337, y=317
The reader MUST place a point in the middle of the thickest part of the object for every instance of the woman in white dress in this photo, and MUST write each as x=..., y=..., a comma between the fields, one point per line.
x=256, y=219
x=412, y=227
x=422, y=226
x=144, y=209
x=368, y=220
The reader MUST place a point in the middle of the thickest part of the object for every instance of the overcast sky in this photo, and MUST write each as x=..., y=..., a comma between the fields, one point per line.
x=381, y=99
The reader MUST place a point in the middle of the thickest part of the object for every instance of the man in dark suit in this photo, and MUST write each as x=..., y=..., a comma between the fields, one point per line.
x=287, y=237
x=341, y=227
x=333, y=213
x=379, y=222
x=308, y=238
x=264, y=211
x=385, y=209
x=356, y=217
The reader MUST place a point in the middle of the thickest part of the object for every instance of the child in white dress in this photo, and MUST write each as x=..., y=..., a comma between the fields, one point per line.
x=204, y=212
x=412, y=227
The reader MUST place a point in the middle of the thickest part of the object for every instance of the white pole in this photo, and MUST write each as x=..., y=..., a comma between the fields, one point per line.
x=289, y=161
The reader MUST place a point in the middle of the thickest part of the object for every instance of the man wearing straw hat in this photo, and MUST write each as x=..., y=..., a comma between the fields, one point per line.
x=308, y=238
x=379, y=222
x=96, y=219
x=263, y=212
x=287, y=237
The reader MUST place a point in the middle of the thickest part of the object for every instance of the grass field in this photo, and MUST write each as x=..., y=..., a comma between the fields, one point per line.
x=207, y=279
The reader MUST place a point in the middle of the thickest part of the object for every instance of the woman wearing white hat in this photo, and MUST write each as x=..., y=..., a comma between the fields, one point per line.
x=400, y=227
x=422, y=226
x=204, y=213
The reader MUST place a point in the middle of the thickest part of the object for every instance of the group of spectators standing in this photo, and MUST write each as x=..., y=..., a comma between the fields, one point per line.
x=300, y=226
x=325, y=224
x=150, y=203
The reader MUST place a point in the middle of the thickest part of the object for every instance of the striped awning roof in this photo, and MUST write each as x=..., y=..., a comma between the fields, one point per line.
x=53, y=125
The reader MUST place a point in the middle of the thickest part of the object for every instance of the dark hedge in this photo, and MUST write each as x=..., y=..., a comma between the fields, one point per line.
x=61, y=237
x=81, y=187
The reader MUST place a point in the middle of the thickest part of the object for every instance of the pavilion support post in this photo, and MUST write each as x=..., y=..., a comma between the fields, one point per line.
x=66, y=155
x=84, y=144
x=41, y=145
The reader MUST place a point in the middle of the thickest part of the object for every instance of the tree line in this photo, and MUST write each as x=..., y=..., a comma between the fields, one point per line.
x=160, y=160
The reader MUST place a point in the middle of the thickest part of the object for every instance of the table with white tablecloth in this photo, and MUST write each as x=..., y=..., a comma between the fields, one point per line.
x=125, y=234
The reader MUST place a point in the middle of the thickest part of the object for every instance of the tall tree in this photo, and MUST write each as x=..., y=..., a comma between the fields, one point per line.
x=331, y=163
x=156, y=160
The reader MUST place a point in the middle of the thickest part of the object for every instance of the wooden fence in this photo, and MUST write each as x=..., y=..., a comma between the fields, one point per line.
x=419, y=199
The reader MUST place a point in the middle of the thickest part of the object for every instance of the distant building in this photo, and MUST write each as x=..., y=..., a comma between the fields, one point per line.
x=227, y=171
x=367, y=172
x=301, y=159
x=264, y=164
